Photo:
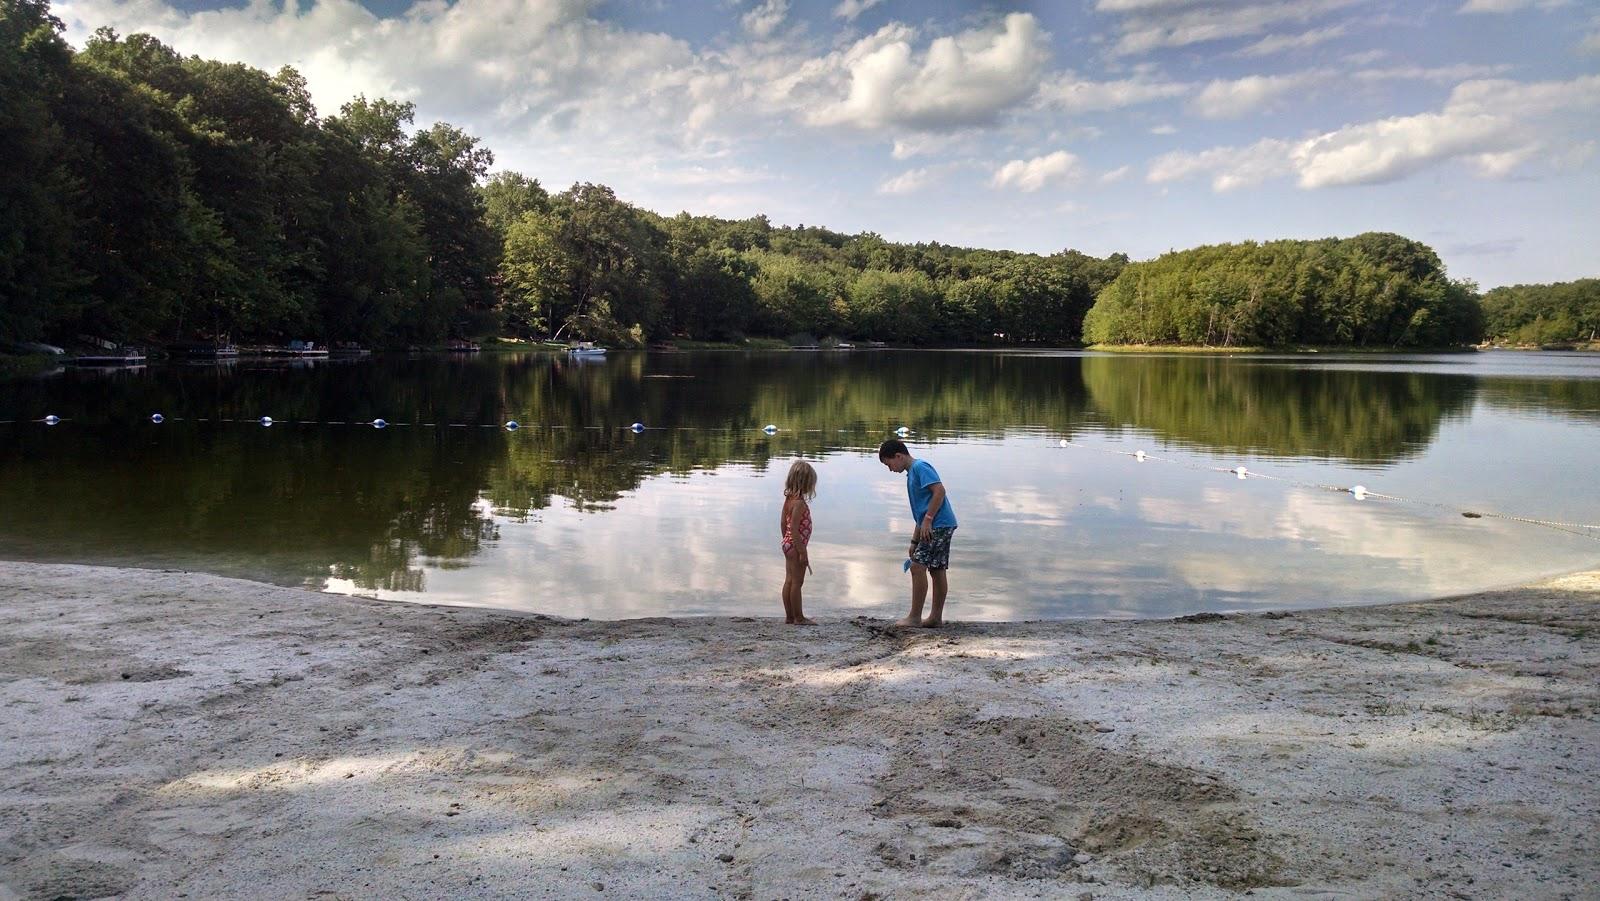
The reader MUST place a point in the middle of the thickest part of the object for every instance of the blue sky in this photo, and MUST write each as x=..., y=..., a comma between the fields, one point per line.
x=1102, y=125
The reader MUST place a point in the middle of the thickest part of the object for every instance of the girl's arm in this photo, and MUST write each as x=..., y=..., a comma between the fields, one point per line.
x=783, y=518
x=803, y=542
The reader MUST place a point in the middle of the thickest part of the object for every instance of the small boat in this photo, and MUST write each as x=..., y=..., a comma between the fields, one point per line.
x=461, y=347
x=298, y=349
x=126, y=356
x=586, y=349
x=202, y=350
x=39, y=347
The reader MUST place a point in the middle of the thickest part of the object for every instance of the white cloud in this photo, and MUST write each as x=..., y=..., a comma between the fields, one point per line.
x=1508, y=6
x=1153, y=24
x=1164, y=129
x=1365, y=57
x=1496, y=126
x=1278, y=43
x=849, y=10
x=1436, y=74
x=1116, y=175
x=1076, y=95
x=549, y=87
x=1233, y=99
x=1389, y=149
x=556, y=68
x=1141, y=6
x=1500, y=165
x=1525, y=99
x=1234, y=167
x=967, y=79
x=909, y=182
x=1031, y=175
x=925, y=144
x=708, y=175
x=763, y=19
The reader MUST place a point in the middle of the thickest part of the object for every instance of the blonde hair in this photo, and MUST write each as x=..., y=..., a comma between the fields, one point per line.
x=802, y=480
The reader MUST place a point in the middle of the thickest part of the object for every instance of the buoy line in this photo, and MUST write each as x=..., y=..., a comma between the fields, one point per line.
x=1359, y=492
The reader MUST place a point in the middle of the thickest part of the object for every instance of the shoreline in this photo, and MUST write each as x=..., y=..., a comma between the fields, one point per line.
x=170, y=733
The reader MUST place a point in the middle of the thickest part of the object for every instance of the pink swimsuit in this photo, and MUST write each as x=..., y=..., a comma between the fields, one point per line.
x=797, y=533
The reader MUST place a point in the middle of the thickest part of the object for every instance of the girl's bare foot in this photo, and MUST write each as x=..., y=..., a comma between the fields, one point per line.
x=932, y=623
x=803, y=621
x=907, y=622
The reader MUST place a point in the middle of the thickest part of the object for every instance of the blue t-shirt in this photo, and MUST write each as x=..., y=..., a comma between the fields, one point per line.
x=920, y=479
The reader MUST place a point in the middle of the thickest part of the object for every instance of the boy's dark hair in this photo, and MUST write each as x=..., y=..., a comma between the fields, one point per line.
x=891, y=447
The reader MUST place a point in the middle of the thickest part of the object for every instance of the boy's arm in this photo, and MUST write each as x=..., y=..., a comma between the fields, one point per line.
x=935, y=501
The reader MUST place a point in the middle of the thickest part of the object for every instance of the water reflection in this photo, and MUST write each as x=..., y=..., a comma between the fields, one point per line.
x=576, y=514
x=1236, y=404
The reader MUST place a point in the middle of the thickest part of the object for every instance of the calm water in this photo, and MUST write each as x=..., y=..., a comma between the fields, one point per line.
x=574, y=514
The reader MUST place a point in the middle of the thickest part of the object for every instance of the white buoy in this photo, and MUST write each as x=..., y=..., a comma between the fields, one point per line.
x=1240, y=471
x=52, y=419
x=157, y=418
x=265, y=421
x=902, y=431
x=512, y=425
x=1063, y=442
x=379, y=424
x=637, y=427
x=1359, y=492
x=771, y=430
x=1139, y=455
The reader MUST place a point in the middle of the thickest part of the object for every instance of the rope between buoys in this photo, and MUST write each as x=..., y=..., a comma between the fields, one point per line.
x=1582, y=530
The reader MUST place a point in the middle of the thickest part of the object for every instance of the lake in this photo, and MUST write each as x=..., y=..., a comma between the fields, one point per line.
x=576, y=514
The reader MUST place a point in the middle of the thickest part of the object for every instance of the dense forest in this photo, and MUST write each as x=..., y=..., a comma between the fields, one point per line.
x=1371, y=290
x=154, y=197
x=1544, y=314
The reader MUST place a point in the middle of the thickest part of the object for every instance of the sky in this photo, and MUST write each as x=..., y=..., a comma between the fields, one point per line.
x=1138, y=126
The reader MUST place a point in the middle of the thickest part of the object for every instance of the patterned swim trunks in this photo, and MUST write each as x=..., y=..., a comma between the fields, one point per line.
x=934, y=551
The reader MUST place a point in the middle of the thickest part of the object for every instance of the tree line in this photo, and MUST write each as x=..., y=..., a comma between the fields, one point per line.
x=1562, y=313
x=1374, y=289
x=157, y=197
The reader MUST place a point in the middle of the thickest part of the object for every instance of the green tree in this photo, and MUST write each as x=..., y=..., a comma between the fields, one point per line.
x=537, y=270
x=39, y=191
x=1371, y=290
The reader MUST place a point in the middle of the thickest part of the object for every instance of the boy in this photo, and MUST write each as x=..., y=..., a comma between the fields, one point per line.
x=930, y=539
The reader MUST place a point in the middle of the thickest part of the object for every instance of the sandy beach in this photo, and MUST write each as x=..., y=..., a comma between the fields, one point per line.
x=171, y=735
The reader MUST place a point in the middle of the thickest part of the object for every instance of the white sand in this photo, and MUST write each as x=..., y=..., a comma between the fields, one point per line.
x=177, y=735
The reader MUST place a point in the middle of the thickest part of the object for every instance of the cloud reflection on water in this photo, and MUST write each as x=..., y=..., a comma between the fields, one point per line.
x=573, y=514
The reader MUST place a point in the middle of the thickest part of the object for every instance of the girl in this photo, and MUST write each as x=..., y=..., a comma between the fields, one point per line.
x=795, y=524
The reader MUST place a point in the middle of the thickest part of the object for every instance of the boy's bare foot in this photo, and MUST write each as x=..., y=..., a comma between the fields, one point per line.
x=931, y=623
x=803, y=621
x=907, y=622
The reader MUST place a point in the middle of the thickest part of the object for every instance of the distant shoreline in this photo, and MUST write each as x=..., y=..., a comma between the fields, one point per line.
x=15, y=365
x=1292, y=349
